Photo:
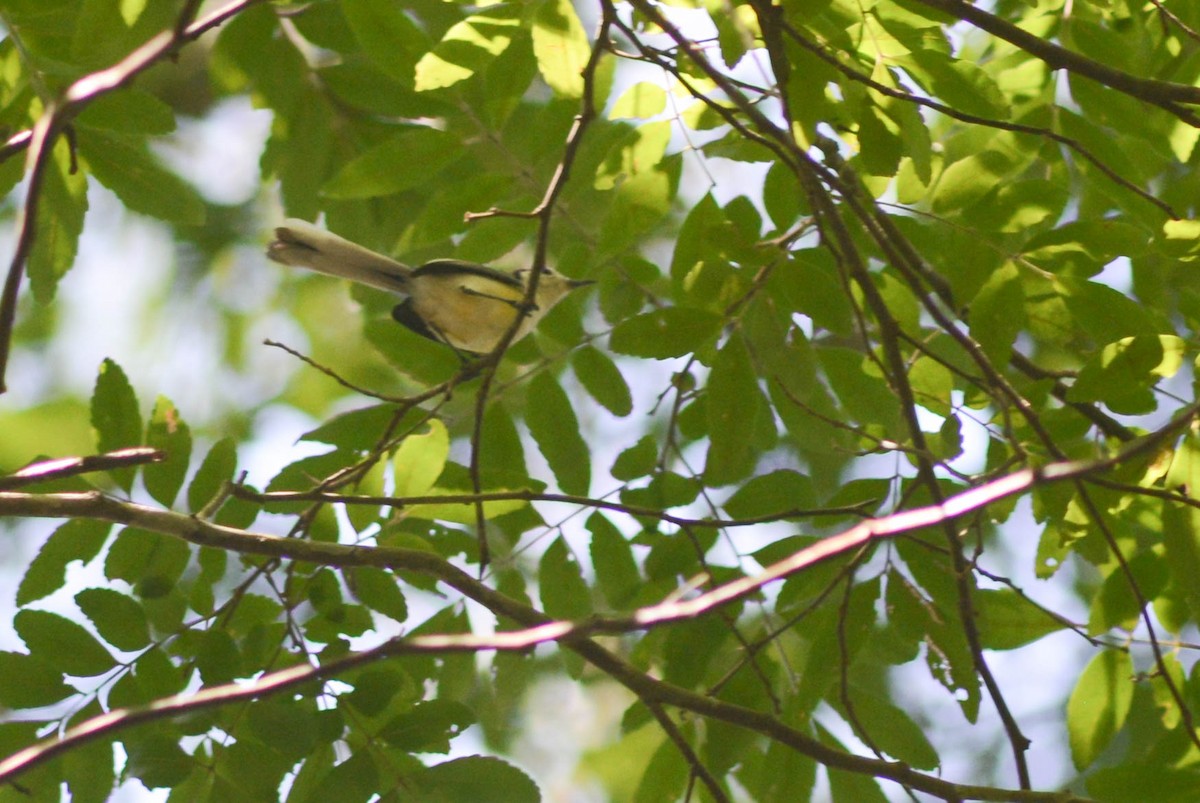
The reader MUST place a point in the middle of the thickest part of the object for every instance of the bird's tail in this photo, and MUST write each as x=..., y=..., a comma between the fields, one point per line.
x=301, y=244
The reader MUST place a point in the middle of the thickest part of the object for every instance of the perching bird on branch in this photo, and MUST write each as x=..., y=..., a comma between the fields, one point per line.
x=462, y=304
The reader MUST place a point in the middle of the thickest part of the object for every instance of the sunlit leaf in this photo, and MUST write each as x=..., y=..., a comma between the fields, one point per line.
x=1099, y=704
x=420, y=459
x=404, y=161
x=561, y=47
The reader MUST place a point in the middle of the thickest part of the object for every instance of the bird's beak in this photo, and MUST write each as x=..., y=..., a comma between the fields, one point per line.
x=574, y=283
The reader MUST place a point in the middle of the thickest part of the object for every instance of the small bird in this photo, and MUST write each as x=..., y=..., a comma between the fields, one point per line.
x=462, y=304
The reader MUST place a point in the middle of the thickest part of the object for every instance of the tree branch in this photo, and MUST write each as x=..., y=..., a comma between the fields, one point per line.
x=1164, y=94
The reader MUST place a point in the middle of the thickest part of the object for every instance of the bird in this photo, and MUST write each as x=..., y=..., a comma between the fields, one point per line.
x=465, y=305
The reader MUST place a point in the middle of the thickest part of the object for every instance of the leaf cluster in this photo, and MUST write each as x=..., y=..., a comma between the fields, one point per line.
x=889, y=353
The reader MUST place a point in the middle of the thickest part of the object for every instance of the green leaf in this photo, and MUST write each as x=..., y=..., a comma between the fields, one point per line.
x=290, y=727
x=75, y=540
x=554, y=427
x=1131, y=780
x=809, y=283
x=561, y=47
x=968, y=180
x=1181, y=238
x=641, y=100
x=120, y=620
x=683, y=664
x=130, y=111
x=168, y=432
x=215, y=654
x=565, y=594
x=59, y=224
x=636, y=461
x=960, y=83
x=63, y=644
x=375, y=689
x=115, y=416
x=892, y=730
x=1107, y=314
x=666, y=490
x=505, y=465
x=216, y=469
x=27, y=681
x=1181, y=524
x=302, y=474
x=932, y=385
x=638, y=152
x=475, y=778
x=949, y=656
x=89, y=771
x=998, y=314
x=156, y=760
x=1115, y=605
x=1007, y=621
x=1083, y=247
x=412, y=158
x=617, y=573
x=371, y=484
x=1123, y=374
x=1098, y=705
x=379, y=590
x=468, y=48
x=665, y=333
x=641, y=201
x=879, y=142
x=602, y=379
x=699, y=236
x=771, y=494
x=213, y=564
x=355, y=779
x=149, y=561
x=734, y=403
x=666, y=775
x=248, y=772
x=153, y=676
x=783, y=774
x=1019, y=206
x=429, y=726
x=420, y=460
x=129, y=169
x=356, y=429
x=388, y=36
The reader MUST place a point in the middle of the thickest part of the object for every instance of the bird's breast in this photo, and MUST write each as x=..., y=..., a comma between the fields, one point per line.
x=468, y=312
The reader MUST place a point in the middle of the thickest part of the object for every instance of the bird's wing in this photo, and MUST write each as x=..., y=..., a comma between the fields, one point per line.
x=405, y=315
